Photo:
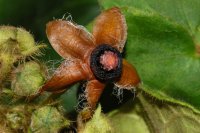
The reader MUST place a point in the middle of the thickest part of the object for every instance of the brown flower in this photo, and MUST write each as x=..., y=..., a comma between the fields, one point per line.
x=93, y=57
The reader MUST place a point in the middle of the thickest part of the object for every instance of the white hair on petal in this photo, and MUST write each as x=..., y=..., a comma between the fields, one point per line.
x=133, y=90
x=118, y=92
x=88, y=34
x=52, y=66
x=80, y=105
x=82, y=100
x=67, y=17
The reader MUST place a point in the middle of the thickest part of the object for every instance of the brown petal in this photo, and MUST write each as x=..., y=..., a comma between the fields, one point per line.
x=68, y=39
x=110, y=28
x=129, y=78
x=69, y=72
x=94, y=89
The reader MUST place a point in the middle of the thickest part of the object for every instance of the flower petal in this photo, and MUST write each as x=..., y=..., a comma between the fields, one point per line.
x=129, y=78
x=69, y=72
x=68, y=39
x=94, y=89
x=110, y=28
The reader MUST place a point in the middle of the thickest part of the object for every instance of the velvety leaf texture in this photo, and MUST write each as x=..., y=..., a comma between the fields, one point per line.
x=147, y=116
x=163, y=38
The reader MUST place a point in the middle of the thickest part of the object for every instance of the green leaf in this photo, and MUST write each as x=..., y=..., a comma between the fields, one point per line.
x=184, y=12
x=162, y=44
x=148, y=115
x=127, y=120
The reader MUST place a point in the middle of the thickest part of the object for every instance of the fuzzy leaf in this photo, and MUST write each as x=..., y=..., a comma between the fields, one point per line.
x=127, y=120
x=163, y=45
x=148, y=115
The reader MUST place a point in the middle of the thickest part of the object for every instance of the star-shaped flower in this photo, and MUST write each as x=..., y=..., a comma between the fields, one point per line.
x=94, y=57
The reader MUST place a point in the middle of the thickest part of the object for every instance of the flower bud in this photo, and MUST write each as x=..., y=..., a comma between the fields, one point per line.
x=27, y=79
x=98, y=124
x=47, y=119
x=27, y=45
x=15, y=44
x=6, y=63
x=16, y=118
x=4, y=129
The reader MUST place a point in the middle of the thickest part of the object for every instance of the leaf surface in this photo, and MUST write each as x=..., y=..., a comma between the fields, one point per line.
x=163, y=38
x=148, y=115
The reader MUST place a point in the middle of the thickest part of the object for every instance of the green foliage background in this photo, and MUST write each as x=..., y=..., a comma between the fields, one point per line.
x=34, y=14
x=162, y=41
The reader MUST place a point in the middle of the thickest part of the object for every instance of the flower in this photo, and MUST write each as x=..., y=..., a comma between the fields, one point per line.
x=93, y=57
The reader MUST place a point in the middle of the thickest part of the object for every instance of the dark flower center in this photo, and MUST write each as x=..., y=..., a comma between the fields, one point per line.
x=106, y=63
